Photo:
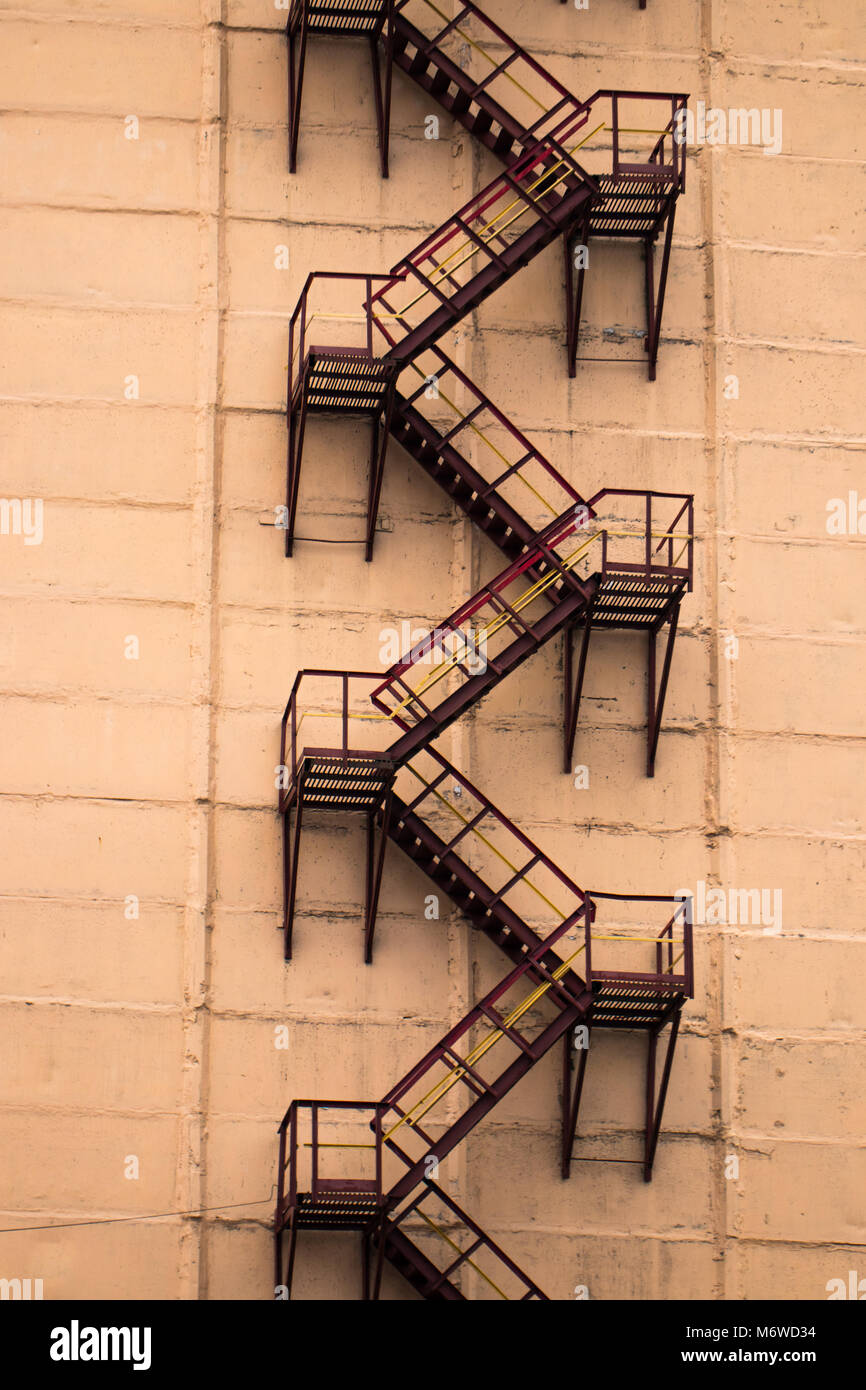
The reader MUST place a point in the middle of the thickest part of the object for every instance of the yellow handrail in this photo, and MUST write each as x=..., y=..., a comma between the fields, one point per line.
x=466, y=1259
x=488, y=227
x=481, y=1049
x=483, y=51
x=483, y=838
x=498, y=452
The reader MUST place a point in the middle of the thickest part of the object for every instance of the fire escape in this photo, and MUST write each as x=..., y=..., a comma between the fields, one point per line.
x=578, y=959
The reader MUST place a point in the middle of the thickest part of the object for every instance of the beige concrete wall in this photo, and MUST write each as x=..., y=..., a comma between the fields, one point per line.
x=143, y=377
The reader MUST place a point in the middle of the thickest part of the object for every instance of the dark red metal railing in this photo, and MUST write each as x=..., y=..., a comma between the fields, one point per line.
x=291, y=1172
x=423, y=26
x=479, y=247
x=292, y=751
x=299, y=344
x=429, y=801
x=663, y=945
x=448, y=1231
x=427, y=384
x=677, y=543
x=674, y=170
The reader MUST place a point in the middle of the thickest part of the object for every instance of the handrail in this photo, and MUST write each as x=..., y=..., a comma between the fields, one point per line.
x=290, y=724
x=663, y=939
x=288, y=1149
x=502, y=818
x=484, y=20
x=300, y=313
x=530, y=452
x=531, y=963
x=432, y=1189
x=552, y=97
x=539, y=556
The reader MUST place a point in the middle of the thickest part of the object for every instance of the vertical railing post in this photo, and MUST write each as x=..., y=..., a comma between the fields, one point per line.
x=614, y=106
x=281, y=1173
x=688, y=946
x=293, y=1157
x=378, y=1136
x=649, y=534
x=290, y=391
x=589, y=913
x=314, y=1151
x=283, y=723
x=691, y=542
x=294, y=718
x=302, y=336
x=345, y=716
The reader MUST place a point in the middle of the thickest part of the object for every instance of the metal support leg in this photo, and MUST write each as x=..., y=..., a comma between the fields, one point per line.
x=378, y=450
x=656, y=701
x=655, y=302
x=655, y=1109
x=278, y=1262
x=290, y=877
x=382, y=94
x=573, y=295
x=297, y=428
x=296, y=87
x=571, y=1100
x=375, y=863
x=572, y=697
x=380, y=1261
x=278, y=1259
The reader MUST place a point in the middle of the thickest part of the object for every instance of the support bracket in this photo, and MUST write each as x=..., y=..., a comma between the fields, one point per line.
x=655, y=1107
x=297, y=39
x=371, y=1291
x=571, y=1098
x=375, y=863
x=278, y=1254
x=655, y=298
x=382, y=67
x=297, y=424
x=290, y=872
x=572, y=688
x=574, y=278
x=382, y=92
x=656, y=698
x=381, y=429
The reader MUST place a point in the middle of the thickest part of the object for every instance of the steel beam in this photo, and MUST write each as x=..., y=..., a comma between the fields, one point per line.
x=655, y=1108
x=655, y=300
x=656, y=700
x=290, y=875
x=375, y=863
x=572, y=694
x=571, y=1100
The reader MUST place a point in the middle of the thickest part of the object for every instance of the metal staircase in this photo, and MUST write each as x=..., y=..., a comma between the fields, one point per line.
x=363, y=741
x=509, y=102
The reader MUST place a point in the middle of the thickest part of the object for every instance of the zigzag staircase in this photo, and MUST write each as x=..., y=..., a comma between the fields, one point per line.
x=509, y=102
x=568, y=568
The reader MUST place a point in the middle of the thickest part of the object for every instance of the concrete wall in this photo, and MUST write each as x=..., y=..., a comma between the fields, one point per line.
x=144, y=197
